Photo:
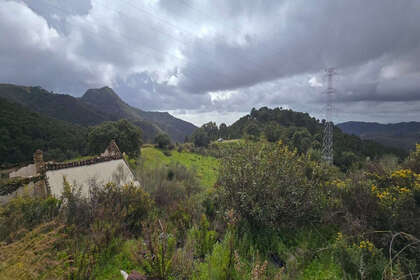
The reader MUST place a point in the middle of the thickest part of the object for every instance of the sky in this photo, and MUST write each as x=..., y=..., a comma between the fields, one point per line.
x=214, y=60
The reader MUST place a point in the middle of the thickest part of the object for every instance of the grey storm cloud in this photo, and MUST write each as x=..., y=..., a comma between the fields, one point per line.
x=220, y=58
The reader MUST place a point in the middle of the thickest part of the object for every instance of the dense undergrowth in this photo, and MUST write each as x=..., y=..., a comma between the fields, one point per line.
x=273, y=213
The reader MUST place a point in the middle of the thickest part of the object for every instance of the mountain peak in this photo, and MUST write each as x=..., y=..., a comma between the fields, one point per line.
x=100, y=93
x=104, y=99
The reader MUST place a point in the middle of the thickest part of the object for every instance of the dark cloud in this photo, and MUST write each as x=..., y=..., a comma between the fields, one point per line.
x=218, y=59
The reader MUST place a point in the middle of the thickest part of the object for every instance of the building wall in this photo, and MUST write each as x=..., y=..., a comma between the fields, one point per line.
x=115, y=171
x=26, y=171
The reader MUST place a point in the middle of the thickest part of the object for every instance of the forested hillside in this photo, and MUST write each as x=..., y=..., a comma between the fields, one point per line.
x=298, y=130
x=59, y=106
x=23, y=131
x=95, y=107
x=403, y=135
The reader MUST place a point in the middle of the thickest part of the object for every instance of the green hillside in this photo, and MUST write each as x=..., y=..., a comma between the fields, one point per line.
x=59, y=106
x=95, y=107
x=23, y=131
x=206, y=167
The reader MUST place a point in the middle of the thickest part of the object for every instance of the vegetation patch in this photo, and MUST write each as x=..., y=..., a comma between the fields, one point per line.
x=206, y=167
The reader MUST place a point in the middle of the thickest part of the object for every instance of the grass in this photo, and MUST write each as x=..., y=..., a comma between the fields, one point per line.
x=121, y=261
x=206, y=167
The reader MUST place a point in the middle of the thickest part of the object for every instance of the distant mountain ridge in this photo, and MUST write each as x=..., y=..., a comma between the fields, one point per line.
x=401, y=135
x=94, y=107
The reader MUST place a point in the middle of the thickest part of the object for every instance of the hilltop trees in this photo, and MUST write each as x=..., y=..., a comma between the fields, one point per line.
x=297, y=130
x=126, y=135
x=205, y=134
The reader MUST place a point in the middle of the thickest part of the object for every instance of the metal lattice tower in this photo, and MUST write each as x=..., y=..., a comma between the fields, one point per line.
x=327, y=140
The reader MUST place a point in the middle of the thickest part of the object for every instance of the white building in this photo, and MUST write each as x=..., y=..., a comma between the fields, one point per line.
x=43, y=178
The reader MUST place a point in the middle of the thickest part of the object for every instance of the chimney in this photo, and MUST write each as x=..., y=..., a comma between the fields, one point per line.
x=39, y=161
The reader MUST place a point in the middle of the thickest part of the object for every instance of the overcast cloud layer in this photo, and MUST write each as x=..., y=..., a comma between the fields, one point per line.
x=207, y=60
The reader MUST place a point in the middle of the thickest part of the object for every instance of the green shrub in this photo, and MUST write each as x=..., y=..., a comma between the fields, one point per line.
x=220, y=263
x=24, y=213
x=269, y=185
x=359, y=258
x=169, y=185
x=123, y=209
x=203, y=237
x=157, y=251
x=322, y=269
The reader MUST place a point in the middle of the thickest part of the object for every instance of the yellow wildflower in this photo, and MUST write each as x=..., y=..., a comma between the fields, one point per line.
x=403, y=173
x=366, y=245
x=374, y=188
x=383, y=195
x=403, y=190
x=339, y=236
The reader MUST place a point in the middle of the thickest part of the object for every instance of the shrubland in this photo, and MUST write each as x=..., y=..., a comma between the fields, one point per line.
x=273, y=212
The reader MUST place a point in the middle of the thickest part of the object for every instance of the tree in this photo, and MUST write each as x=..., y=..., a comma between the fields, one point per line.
x=223, y=131
x=163, y=141
x=126, y=135
x=206, y=133
x=252, y=130
x=201, y=139
x=211, y=130
x=272, y=132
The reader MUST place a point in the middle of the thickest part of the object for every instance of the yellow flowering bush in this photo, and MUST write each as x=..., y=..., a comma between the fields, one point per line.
x=395, y=188
x=366, y=244
x=397, y=194
x=338, y=183
x=356, y=257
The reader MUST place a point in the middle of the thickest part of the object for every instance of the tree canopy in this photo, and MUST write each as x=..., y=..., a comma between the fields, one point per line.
x=127, y=136
x=163, y=141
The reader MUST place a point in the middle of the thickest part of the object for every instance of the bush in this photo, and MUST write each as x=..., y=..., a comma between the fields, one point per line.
x=24, y=214
x=122, y=208
x=203, y=237
x=269, y=185
x=169, y=186
x=220, y=263
x=157, y=252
